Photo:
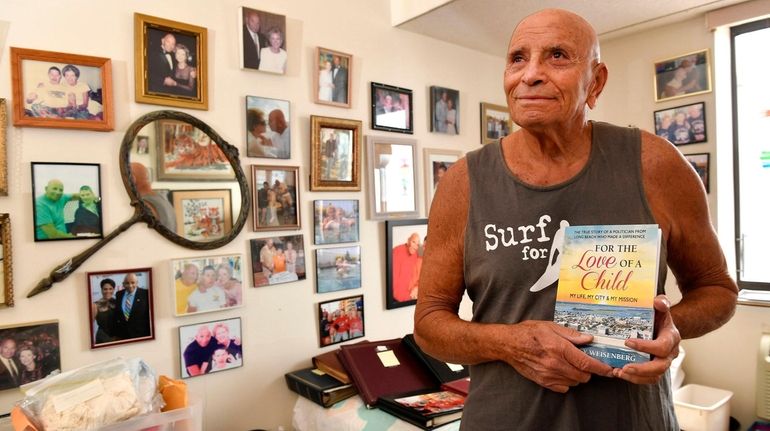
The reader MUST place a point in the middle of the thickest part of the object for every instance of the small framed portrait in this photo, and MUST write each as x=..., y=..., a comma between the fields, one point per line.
x=185, y=152
x=209, y=347
x=335, y=154
x=3, y=151
x=700, y=162
x=391, y=108
x=406, y=242
x=436, y=164
x=202, y=215
x=208, y=283
x=392, y=177
x=68, y=91
x=444, y=110
x=495, y=123
x=332, y=77
x=682, y=125
x=277, y=260
x=142, y=144
x=120, y=306
x=263, y=45
x=338, y=268
x=682, y=76
x=335, y=221
x=6, y=260
x=170, y=63
x=341, y=320
x=267, y=128
x=276, y=191
x=66, y=201
x=30, y=352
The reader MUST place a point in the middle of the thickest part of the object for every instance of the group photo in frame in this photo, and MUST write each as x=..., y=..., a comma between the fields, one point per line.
x=35, y=351
x=335, y=221
x=275, y=199
x=54, y=89
x=436, y=164
x=682, y=125
x=338, y=268
x=203, y=215
x=120, y=306
x=207, y=283
x=391, y=108
x=267, y=128
x=66, y=201
x=495, y=123
x=444, y=110
x=277, y=260
x=405, y=245
x=332, y=83
x=263, y=45
x=685, y=75
x=392, y=167
x=701, y=163
x=335, y=154
x=340, y=320
x=170, y=63
x=210, y=347
x=185, y=152
x=6, y=262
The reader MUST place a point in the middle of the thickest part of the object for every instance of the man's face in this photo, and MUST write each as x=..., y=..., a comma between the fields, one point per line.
x=169, y=43
x=208, y=278
x=130, y=283
x=276, y=121
x=203, y=336
x=8, y=349
x=190, y=274
x=54, y=190
x=336, y=60
x=413, y=243
x=252, y=22
x=54, y=76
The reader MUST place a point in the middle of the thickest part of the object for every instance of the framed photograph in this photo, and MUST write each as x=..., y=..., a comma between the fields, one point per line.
x=444, y=110
x=338, y=268
x=436, y=164
x=682, y=76
x=267, y=128
x=335, y=221
x=391, y=108
x=335, y=154
x=340, y=320
x=142, y=144
x=34, y=353
x=495, y=123
x=406, y=242
x=170, y=63
x=332, y=78
x=6, y=260
x=120, y=306
x=276, y=193
x=277, y=260
x=202, y=215
x=700, y=162
x=263, y=45
x=682, y=125
x=68, y=91
x=392, y=177
x=208, y=283
x=3, y=150
x=208, y=347
x=66, y=201
x=181, y=149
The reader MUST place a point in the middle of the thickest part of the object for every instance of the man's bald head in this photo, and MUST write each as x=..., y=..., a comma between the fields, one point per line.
x=581, y=30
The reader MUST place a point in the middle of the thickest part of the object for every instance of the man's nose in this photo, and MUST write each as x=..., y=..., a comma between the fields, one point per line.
x=534, y=72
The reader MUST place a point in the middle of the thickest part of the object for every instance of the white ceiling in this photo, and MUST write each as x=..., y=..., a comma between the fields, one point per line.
x=486, y=25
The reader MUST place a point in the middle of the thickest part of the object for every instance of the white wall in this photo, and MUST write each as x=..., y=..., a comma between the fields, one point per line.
x=280, y=327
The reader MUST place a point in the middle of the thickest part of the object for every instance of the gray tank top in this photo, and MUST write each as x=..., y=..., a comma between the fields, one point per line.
x=511, y=244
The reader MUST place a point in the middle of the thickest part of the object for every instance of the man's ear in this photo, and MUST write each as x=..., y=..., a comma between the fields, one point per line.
x=597, y=84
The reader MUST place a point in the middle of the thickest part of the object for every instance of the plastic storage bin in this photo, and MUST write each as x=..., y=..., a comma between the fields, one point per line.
x=189, y=418
x=702, y=408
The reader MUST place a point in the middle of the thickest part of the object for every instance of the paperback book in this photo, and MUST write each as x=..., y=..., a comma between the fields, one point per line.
x=607, y=283
x=426, y=410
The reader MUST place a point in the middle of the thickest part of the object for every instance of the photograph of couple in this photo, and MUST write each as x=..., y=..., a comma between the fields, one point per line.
x=264, y=42
x=58, y=90
x=172, y=64
x=332, y=81
x=210, y=347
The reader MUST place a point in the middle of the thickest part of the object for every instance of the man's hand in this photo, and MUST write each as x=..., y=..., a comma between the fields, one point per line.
x=664, y=348
x=546, y=353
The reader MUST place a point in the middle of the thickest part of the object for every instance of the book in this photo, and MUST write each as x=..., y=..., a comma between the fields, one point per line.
x=460, y=386
x=380, y=368
x=426, y=410
x=443, y=371
x=318, y=386
x=608, y=280
x=329, y=363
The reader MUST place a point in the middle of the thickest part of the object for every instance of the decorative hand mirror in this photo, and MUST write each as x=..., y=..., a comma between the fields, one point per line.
x=184, y=181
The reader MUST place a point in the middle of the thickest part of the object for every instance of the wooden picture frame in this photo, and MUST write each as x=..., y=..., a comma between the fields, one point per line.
x=338, y=268
x=391, y=108
x=203, y=215
x=332, y=78
x=158, y=77
x=335, y=154
x=107, y=315
x=496, y=123
x=392, y=173
x=290, y=250
x=179, y=144
x=702, y=165
x=685, y=75
x=276, y=195
x=204, y=284
x=268, y=128
x=259, y=30
x=682, y=125
x=3, y=148
x=335, y=221
x=6, y=262
x=444, y=110
x=405, y=243
x=436, y=164
x=223, y=348
x=336, y=312
x=37, y=342
x=60, y=90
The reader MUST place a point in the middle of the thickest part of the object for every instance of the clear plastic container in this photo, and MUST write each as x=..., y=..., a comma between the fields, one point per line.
x=189, y=418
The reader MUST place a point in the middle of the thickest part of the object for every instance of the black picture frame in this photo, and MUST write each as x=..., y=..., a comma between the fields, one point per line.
x=402, y=265
x=702, y=164
x=394, y=115
x=682, y=125
x=326, y=335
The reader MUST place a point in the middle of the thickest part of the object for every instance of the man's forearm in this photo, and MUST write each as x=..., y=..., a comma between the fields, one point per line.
x=703, y=310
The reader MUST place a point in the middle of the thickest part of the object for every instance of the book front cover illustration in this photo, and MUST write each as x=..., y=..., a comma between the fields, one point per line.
x=607, y=284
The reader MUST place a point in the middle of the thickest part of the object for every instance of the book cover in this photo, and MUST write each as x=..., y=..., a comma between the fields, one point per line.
x=443, y=371
x=607, y=283
x=318, y=386
x=426, y=410
x=460, y=386
x=330, y=364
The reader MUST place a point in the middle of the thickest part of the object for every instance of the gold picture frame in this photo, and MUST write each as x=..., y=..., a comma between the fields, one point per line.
x=6, y=258
x=335, y=154
x=332, y=86
x=495, y=123
x=3, y=149
x=203, y=215
x=682, y=76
